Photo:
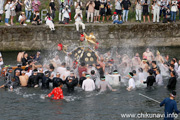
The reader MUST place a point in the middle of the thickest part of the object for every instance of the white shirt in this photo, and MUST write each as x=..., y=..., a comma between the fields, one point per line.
x=174, y=7
x=66, y=13
x=1, y=4
x=88, y=85
x=131, y=83
x=58, y=61
x=61, y=70
x=176, y=66
x=8, y=12
x=118, y=5
x=159, y=79
x=29, y=73
x=66, y=73
x=13, y=8
x=156, y=5
x=141, y=76
x=78, y=19
x=1, y=63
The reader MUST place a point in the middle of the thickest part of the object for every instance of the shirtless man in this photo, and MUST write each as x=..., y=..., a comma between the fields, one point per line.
x=23, y=79
x=149, y=55
x=159, y=58
x=101, y=62
x=136, y=61
x=144, y=65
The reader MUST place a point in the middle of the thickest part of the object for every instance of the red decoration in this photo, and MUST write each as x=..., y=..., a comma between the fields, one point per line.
x=97, y=45
x=60, y=46
x=82, y=37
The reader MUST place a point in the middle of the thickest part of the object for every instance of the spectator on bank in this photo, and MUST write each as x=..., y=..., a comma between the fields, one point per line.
x=173, y=10
x=49, y=22
x=22, y=19
x=178, y=8
x=36, y=19
x=156, y=10
x=152, y=8
x=167, y=19
x=28, y=8
x=109, y=8
x=35, y=7
x=61, y=7
x=13, y=13
x=145, y=4
x=70, y=4
x=126, y=4
x=7, y=12
x=66, y=14
x=90, y=6
x=116, y=19
x=103, y=9
x=163, y=7
x=18, y=9
x=118, y=8
x=78, y=21
x=96, y=11
x=1, y=9
x=138, y=10
x=78, y=6
x=52, y=8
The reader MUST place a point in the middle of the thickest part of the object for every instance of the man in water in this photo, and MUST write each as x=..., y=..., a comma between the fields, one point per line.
x=154, y=67
x=172, y=81
x=150, y=79
x=81, y=69
x=100, y=70
x=61, y=70
x=136, y=61
x=159, y=79
x=82, y=78
x=57, y=92
x=171, y=68
x=45, y=81
x=135, y=76
x=131, y=83
x=149, y=55
x=32, y=82
x=170, y=106
x=144, y=65
x=88, y=84
x=56, y=80
x=71, y=82
x=18, y=68
x=23, y=79
x=103, y=85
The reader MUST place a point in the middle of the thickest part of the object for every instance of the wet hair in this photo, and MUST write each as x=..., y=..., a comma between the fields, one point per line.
x=63, y=64
x=68, y=68
x=92, y=72
x=134, y=71
x=154, y=62
x=140, y=70
x=150, y=71
x=51, y=66
x=171, y=65
x=173, y=73
x=82, y=64
x=59, y=83
x=159, y=70
x=131, y=74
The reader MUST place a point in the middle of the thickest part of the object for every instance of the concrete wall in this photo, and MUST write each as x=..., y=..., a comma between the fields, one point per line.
x=132, y=35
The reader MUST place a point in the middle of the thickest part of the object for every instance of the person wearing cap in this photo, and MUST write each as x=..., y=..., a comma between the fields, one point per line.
x=115, y=78
x=103, y=85
x=131, y=83
x=170, y=106
x=23, y=79
x=79, y=21
x=150, y=79
x=66, y=16
x=88, y=84
x=56, y=80
x=46, y=80
x=116, y=19
x=71, y=82
x=57, y=92
x=32, y=81
x=22, y=19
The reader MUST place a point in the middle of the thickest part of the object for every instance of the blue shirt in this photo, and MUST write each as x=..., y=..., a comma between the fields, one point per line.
x=170, y=107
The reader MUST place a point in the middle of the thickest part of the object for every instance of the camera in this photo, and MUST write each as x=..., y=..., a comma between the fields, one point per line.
x=90, y=2
x=79, y=4
x=79, y=15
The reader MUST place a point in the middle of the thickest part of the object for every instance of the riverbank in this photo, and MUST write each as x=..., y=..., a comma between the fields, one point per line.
x=108, y=35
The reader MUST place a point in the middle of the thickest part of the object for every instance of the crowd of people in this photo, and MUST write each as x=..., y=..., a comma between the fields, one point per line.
x=95, y=11
x=107, y=72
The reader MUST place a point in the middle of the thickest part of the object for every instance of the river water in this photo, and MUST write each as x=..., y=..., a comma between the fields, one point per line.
x=30, y=104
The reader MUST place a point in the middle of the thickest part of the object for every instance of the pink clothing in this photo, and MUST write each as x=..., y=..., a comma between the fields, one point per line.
x=35, y=5
x=91, y=7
